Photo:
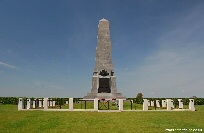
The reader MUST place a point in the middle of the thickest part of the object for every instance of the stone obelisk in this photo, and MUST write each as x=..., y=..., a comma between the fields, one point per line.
x=104, y=80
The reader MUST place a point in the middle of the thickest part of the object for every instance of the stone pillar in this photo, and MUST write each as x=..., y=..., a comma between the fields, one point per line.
x=71, y=104
x=53, y=104
x=121, y=104
x=96, y=104
x=50, y=102
x=180, y=103
x=191, y=104
x=40, y=102
x=163, y=103
x=152, y=103
x=157, y=103
x=20, y=103
x=148, y=102
x=172, y=104
x=28, y=103
x=67, y=102
x=34, y=103
x=145, y=104
x=45, y=103
x=169, y=104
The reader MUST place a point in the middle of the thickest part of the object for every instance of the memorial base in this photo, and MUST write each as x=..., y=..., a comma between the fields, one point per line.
x=104, y=95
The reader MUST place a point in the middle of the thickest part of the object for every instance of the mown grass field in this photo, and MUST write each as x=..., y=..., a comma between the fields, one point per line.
x=12, y=120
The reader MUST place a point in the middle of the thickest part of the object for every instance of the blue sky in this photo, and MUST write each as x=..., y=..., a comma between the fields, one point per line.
x=47, y=48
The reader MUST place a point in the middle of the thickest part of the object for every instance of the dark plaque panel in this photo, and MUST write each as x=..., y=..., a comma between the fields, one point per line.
x=104, y=85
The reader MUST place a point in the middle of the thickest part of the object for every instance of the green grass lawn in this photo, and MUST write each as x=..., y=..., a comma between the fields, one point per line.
x=12, y=120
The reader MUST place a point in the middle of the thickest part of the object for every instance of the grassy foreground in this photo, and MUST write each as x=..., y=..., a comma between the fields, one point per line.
x=12, y=120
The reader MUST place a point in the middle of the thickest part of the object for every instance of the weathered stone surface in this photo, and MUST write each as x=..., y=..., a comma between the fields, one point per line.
x=157, y=103
x=152, y=103
x=121, y=104
x=145, y=104
x=45, y=103
x=28, y=103
x=71, y=107
x=34, y=104
x=169, y=104
x=40, y=102
x=20, y=103
x=103, y=80
x=180, y=103
x=191, y=104
x=163, y=103
x=96, y=104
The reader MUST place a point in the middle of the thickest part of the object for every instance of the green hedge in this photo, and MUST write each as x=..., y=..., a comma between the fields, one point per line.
x=9, y=100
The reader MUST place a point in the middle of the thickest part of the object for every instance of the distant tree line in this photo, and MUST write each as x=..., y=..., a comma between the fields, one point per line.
x=14, y=100
x=8, y=100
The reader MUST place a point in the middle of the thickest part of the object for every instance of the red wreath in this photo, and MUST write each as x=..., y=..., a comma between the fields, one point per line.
x=103, y=99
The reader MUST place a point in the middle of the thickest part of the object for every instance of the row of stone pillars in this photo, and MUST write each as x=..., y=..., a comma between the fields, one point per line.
x=32, y=104
x=71, y=106
x=168, y=103
x=47, y=102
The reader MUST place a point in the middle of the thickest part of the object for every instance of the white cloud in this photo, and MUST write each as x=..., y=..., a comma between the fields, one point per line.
x=56, y=87
x=7, y=65
x=47, y=85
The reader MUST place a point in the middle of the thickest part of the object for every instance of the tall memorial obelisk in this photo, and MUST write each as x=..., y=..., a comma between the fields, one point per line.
x=104, y=80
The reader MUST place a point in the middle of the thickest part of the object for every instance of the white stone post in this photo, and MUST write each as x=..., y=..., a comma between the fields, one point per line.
x=172, y=104
x=28, y=103
x=163, y=103
x=121, y=104
x=34, y=103
x=67, y=102
x=152, y=103
x=157, y=103
x=50, y=102
x=148, y=102
x=71, y=104
x=20, y=103
x=96, y=104
x=45, y=103
x=169, y=104
x=145, y=104
x=53, y=104
x=191, y=104
x=180, y=103
x=40, y=103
